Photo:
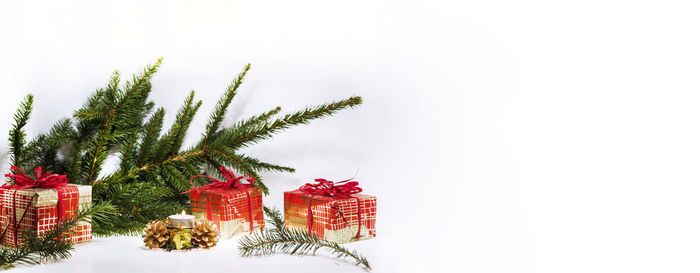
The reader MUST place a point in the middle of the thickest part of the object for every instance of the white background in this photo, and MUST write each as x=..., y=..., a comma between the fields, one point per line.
x=499, y=136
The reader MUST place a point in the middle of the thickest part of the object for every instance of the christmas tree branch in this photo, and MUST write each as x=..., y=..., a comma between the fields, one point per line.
x=255, y=120
x=150, y=136
x=220, y=110
x=119, y=113
x=293, y=242
x=258, y=165
x=253, y=134
x=17, y=133
x=229, y=157
x=52, y=244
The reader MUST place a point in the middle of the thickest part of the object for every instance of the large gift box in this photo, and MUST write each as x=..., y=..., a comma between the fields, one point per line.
x=232, y=206
x=334, y=212
x=37, y=205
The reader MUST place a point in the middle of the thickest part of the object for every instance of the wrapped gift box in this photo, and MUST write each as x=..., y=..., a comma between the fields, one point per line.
x=333, y=218
x=229, y=209
x=37, y=209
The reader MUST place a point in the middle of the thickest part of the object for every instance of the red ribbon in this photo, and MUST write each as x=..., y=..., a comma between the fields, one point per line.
x=232, y=182
x=345, y=188
x=41, y=180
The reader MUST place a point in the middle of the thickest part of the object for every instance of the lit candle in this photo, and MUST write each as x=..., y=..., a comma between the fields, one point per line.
x=181, y=220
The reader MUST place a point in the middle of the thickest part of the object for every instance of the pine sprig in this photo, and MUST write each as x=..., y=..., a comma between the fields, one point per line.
x=275, y=217
x=149, y=136
x=252, y=134
x=293, y=242
x=52, y=244
x=260, y=166
x=17, y=134
x=122, y=111
x=220, y=110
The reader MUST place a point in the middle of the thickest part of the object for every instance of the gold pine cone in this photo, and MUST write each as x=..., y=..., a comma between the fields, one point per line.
x=205, y=235
x=156, y=234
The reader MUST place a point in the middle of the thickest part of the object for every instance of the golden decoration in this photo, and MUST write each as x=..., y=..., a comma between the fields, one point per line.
x=181, y=238
x=156, y=234
x=205, y=234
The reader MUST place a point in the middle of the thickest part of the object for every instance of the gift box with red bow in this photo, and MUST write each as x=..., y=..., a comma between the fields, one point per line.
x=234, y=207
x=332, y=211
x=38, y=204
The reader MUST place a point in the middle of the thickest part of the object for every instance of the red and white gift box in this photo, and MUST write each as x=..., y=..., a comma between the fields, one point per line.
x=234, y=207
x=333, y=212
x=38, y=210
x=228, y=209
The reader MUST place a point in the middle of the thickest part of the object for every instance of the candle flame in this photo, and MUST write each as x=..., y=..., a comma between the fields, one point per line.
x=183, y=212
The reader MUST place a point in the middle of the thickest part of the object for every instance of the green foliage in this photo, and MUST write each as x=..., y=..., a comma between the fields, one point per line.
x=50, y=245
x=17, y=133
x=293, y=242
x=154, y=168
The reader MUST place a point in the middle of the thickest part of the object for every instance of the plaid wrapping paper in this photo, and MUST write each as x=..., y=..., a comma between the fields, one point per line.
x=228, y=209
x=334, y=218
x=40, y=210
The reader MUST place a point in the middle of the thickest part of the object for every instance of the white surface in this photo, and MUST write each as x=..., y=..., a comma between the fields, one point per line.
x=538, y=136
x=127, y=254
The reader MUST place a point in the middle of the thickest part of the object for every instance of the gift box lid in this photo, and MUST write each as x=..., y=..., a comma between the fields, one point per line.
x=49, y=197
x=330, y=198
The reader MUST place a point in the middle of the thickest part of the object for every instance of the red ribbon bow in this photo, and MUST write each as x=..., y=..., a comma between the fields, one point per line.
x=41, y=180
x=345, y=188
x=329, y=188
x=232, y=182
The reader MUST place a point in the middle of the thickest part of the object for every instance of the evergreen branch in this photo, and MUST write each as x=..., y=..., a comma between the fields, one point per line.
x=187, y=156
x=85, y=115
x=184, y=126
x=222, y=105
x=127, y=152
x=150, y=136
x=41, y=151
x=265, y=131
x=183, y=157
x=264, y=117
x=96, y=155
x=61, y=133
x=85, y=129
x=263, y=166
x=239, y=163
x=17, y=133
x=293, y=242
x=176, y=179
x=140, y=80
x=139, y=202
x=170, y=143
x=275, y=217
x=112, y=91
x=98, y=150
x=117, y=99
x=51, y=244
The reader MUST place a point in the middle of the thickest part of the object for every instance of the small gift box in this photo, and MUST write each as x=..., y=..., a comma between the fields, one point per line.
x=332, y=211
x=39, y=204
x=232, y=206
